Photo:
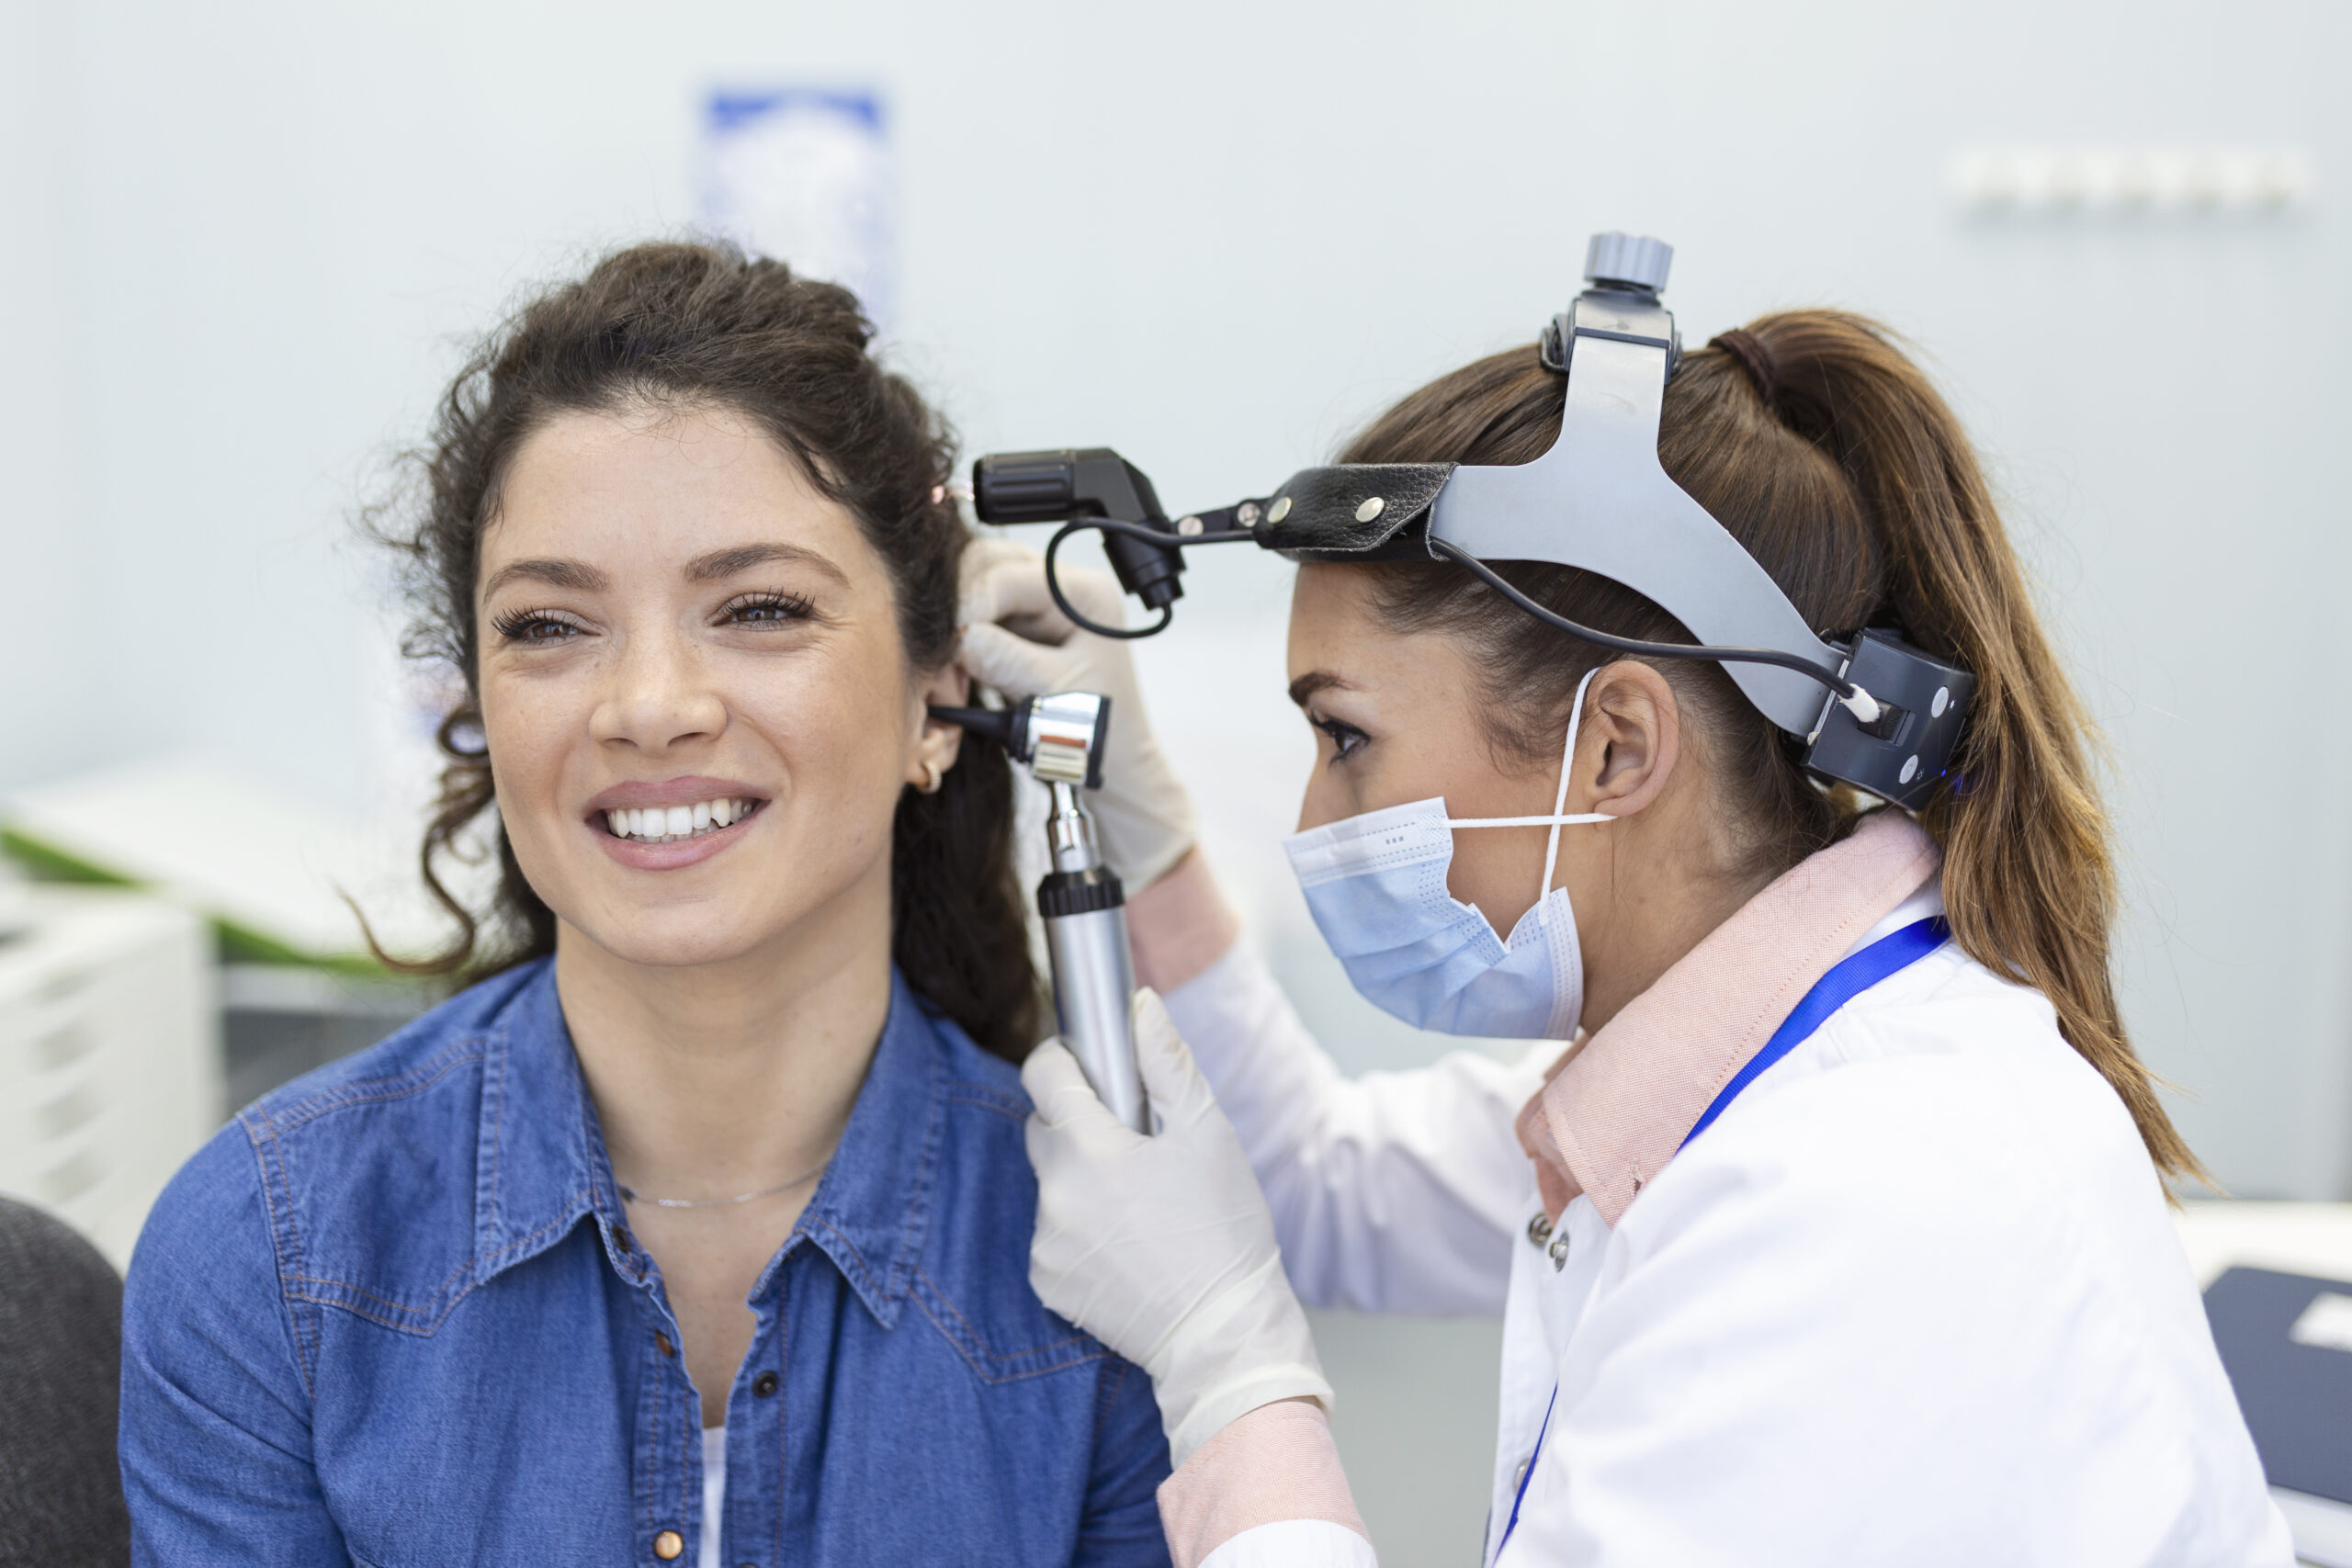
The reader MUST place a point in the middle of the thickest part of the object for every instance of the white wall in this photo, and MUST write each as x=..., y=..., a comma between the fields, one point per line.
x=242, y=245
x=243, y=248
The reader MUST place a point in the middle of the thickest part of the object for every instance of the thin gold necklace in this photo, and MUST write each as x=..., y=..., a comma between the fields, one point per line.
x=630, y=1195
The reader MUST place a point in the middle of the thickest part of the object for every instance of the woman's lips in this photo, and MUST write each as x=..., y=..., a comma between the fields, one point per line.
x=664, y=824
x=683, y=790
x=666, y=838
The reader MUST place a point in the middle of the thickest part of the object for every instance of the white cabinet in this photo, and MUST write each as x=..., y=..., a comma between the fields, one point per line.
x=110, y=1065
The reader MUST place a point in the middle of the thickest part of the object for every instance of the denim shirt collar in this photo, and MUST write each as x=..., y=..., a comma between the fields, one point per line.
x=541, y=1164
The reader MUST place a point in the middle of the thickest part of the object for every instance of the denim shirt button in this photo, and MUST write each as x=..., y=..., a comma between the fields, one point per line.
x=765, y=1384
x=620, y=1240
x=663, y=1341
x=668, y=1544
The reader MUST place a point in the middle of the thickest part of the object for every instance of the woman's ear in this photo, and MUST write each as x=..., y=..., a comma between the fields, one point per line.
x=937, y=745
x=1630, y=738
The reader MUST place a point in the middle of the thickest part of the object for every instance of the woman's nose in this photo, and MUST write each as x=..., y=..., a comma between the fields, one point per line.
x=659, y=697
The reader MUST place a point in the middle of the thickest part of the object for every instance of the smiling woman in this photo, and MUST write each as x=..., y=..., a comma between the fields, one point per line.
x=701, y=1219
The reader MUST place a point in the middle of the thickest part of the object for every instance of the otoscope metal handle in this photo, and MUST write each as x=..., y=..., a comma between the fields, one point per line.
x=1085, y=911
x=1060, y=736
x=1093, y=980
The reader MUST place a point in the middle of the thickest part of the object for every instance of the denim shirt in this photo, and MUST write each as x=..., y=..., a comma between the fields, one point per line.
x=393, y=1315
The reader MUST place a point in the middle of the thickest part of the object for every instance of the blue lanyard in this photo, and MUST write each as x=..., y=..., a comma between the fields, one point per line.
x=1529, y=1473
x=1852, y=976
x=1849, y=978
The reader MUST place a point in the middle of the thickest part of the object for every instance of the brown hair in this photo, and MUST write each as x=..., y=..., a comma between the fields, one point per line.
x=1828, y=455
x=682, y=324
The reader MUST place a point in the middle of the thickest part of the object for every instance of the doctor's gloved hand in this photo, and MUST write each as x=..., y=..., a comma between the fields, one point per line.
x=1017, y=640
x=1162, y=1247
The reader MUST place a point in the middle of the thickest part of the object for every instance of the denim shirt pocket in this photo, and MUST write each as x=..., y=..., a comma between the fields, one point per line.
x=1015, y=1344
x=378, y=1226
x=972, y=1282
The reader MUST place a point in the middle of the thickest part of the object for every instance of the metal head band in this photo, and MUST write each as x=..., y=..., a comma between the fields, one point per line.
x=1599, y=500
x=1868, y=709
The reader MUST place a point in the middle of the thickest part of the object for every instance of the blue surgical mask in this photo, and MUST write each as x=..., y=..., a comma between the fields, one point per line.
x=1375, y=885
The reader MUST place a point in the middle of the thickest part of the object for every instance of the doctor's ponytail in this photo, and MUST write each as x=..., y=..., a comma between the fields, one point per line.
x=1830, y=456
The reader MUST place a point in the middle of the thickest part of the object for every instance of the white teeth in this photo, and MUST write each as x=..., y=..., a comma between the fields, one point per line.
x=664, y=825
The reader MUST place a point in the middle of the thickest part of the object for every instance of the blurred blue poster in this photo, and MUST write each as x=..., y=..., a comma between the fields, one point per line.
x=803, y=174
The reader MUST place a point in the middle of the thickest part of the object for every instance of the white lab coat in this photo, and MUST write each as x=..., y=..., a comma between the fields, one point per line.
x=1914, y=1299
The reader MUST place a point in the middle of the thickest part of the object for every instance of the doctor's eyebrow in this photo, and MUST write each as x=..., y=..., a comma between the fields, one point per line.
x=1315, y=681
x=722, y=564
x=570, y=574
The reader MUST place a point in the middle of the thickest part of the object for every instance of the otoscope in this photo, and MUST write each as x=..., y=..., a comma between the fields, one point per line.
x=1858, y=706
x=1060, y=737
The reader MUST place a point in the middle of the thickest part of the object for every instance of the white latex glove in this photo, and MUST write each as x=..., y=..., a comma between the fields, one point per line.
x=1162, y=1247
x=1018, y=641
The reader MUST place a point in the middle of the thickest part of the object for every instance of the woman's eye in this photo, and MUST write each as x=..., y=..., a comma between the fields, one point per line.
x=765, y=610
x=1344, y=738
x=535, y=627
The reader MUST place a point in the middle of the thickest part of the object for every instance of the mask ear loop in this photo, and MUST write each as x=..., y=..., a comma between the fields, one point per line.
x=1560, y=801
x=1558, y=819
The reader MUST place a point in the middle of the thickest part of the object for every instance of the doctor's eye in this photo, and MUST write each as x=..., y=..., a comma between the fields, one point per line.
x=538, y=628
x=1344, y=738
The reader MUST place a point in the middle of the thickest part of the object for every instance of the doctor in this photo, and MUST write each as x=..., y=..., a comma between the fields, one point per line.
x=1826, y=1213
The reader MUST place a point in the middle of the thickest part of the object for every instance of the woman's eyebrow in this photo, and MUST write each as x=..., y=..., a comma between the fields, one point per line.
x=570, y=574
x=1315, y=681
x=726, y=563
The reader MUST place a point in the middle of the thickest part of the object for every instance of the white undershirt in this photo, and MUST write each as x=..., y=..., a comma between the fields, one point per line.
x=714, y=1493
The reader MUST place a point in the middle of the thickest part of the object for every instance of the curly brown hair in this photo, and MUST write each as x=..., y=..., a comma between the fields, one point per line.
x=684, y=324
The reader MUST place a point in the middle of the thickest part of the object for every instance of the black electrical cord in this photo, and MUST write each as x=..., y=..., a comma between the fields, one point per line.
x=1158, y=537
x=1773, y=656
x=1485, y=573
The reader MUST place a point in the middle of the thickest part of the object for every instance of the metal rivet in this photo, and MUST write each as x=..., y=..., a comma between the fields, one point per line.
x=1280, y=510
x=668, y=1544
x=1539, y=1230
x=1370, y=510
x=1249, y=514
x=1558, y=1251
x=1519, y=1477
x=1188, y=526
